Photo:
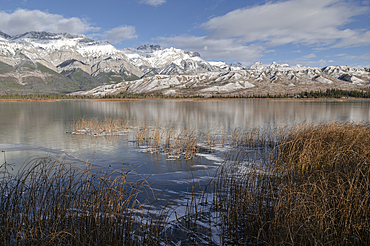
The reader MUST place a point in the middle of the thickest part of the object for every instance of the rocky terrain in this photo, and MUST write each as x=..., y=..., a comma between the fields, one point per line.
x=42, y=62
x=153, y=60
x=257, y=80
x=55, y=63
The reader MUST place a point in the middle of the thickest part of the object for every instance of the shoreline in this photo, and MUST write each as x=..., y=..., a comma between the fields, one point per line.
x=179, y=99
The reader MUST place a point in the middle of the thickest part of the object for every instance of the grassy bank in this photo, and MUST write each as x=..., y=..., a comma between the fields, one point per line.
x=312, y=189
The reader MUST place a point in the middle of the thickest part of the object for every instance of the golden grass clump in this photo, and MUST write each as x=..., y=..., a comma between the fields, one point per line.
x=325, y=146
x=98, y=127
x=314, y=190
x=51, y=203
x=174, y=142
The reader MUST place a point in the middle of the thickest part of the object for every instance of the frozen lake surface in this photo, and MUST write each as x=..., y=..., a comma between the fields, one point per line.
x=37, y=128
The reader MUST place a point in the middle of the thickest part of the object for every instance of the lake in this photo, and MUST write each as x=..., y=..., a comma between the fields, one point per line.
x=36, y=128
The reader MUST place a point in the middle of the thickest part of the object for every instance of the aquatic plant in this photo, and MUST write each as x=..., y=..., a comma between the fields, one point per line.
x=301, y=184
x=313, y=189
x=99, y=127
x=49, y=202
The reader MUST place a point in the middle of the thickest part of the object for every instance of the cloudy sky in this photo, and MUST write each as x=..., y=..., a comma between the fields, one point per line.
x=306, y=32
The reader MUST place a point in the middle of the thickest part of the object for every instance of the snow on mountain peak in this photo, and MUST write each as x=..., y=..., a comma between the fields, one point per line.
x=158, y=58
x=4, y=35
x=152, y=59
x=150, y=48
x=274, y=65
x=48, y=36
x=51, y=42
x=55, y=49
x=192, y=54
x=257, y=66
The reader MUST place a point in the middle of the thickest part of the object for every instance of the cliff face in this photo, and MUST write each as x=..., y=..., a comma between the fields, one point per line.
x=51, y=63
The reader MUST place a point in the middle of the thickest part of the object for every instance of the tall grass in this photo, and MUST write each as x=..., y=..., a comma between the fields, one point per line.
x=98, y=127
x=297, y=185
x=314, y=190
x=175, y=142
x=51, y=203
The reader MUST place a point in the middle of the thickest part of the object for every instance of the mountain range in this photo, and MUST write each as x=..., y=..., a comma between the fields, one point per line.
x=43, y=62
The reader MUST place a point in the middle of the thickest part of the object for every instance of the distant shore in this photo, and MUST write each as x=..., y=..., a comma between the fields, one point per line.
x=337, y=94
x=176, y=99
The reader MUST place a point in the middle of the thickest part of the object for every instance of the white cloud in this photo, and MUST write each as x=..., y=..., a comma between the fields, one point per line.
x=308, y=56
x=23, y=20
x=224, y=49
x=153, y=2
x=315, y=23
x=365, y=56
x=357, y=39
x=306, y=62
x=119, y=34
x=293, y=21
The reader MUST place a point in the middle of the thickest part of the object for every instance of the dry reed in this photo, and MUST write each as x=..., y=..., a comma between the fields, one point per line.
x=51, y=203
x=97, y=127
x=314, y=190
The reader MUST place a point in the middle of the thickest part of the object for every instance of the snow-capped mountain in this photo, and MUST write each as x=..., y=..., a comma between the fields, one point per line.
x=153, y=60
x=32, y=53
x=60, y=62
x=42, y=59
x=258, y=80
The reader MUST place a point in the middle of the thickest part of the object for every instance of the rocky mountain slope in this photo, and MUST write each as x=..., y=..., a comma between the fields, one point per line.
x=48, y=62
x=42, y=62
x=258, y=80
x=153, y=60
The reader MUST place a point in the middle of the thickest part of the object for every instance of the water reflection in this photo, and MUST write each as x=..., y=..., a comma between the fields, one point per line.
x=235, y=113
x=44, y=124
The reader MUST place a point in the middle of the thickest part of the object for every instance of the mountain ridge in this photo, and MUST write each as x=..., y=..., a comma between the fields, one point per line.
x=61, y=52
x=154, y=60
x=273, y=79
x=35, y=62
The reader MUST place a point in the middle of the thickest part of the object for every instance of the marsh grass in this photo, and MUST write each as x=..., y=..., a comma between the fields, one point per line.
x=186, y=142
x=293, y=185
x=191, y=141
x=99, y=127
x=313, y=190
x=174, y=142
x=49, y=202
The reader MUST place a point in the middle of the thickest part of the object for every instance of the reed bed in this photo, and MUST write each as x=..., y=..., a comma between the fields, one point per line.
x=190, y=142
x=313, y=190
x=308, y=185
x=51, y=203
x=99, y=127
x=174, y=142
x=177, y=142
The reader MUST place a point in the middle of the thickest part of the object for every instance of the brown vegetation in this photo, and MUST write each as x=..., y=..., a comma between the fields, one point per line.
x=312, y=188
x=97, y=127
x=51, y=203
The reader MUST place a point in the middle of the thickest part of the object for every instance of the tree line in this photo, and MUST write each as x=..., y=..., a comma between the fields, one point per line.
x=329, y=93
